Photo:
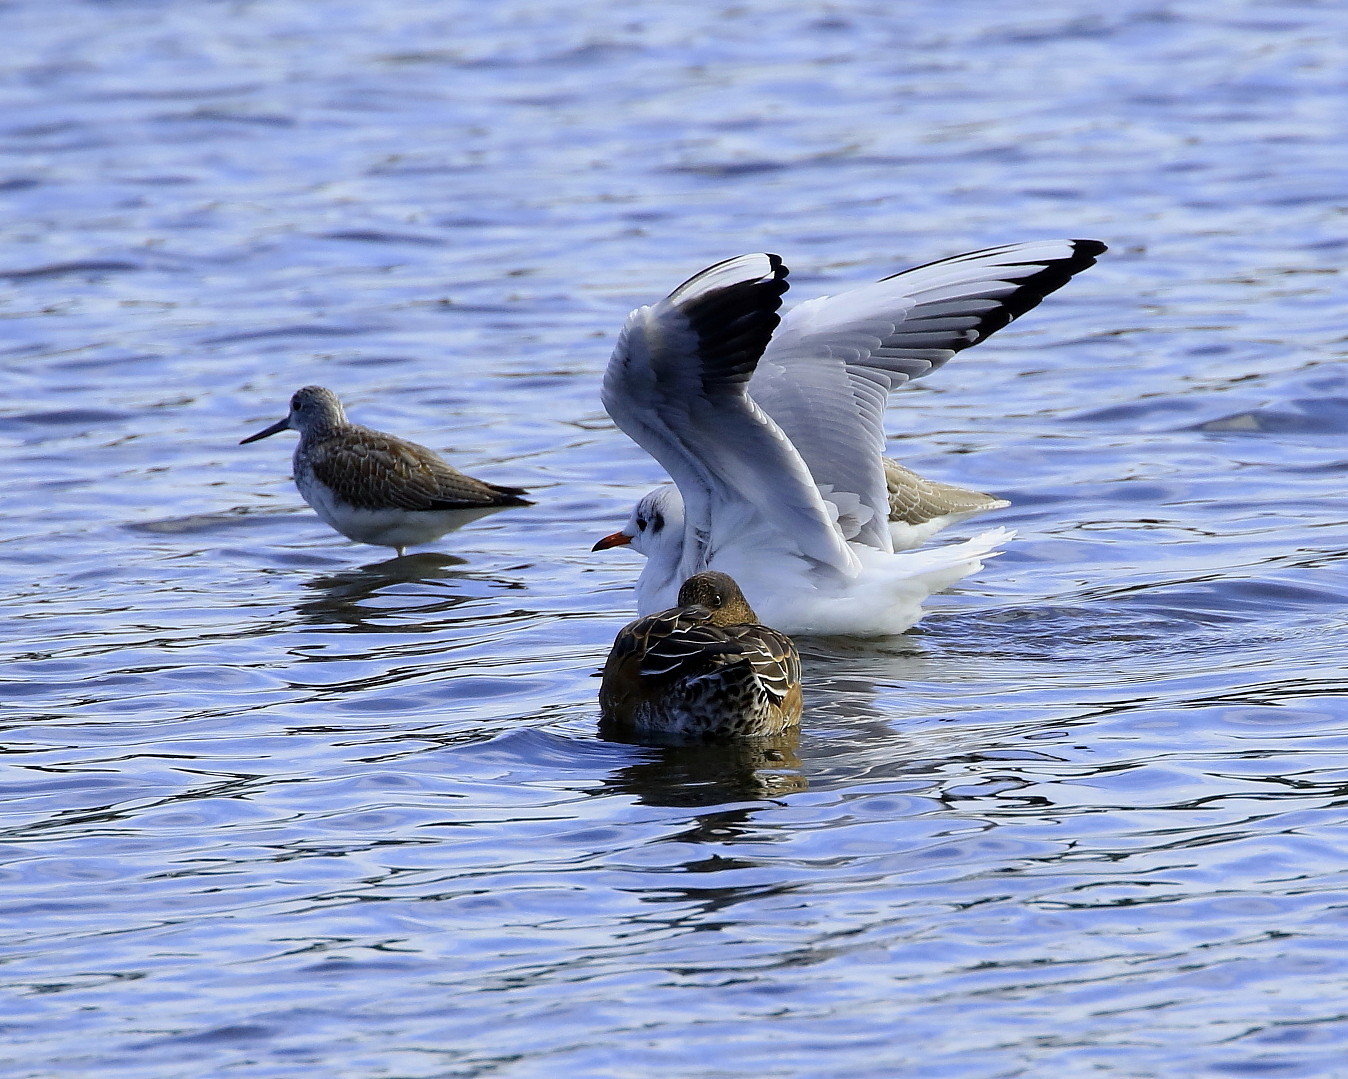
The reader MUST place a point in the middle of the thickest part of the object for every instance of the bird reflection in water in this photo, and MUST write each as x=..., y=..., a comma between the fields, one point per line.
x=344, y=597
x=706, y=774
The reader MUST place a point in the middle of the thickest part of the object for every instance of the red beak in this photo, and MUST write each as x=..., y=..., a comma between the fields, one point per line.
x=618, y=539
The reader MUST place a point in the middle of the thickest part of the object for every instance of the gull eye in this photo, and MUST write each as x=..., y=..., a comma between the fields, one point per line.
x=641, y=524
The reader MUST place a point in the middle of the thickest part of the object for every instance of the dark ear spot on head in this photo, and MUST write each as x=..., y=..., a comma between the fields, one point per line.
x=657, y=523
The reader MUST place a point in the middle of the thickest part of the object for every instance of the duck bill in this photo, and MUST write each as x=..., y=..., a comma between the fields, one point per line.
x=266, y=432
x=618, y=539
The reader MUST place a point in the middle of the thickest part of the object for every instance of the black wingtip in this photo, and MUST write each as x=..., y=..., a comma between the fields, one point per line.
x=734, y=322
x=776, y=270
x=1036, y=287
x=1083, y=257
x=1030, y=289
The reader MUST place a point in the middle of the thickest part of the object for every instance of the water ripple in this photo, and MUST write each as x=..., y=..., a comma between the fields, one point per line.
x=280, y=805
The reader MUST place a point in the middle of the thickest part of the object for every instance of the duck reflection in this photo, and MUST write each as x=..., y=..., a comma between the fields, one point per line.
x=707, y=774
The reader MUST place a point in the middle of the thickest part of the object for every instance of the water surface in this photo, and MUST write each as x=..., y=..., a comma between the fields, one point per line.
x=276, y=805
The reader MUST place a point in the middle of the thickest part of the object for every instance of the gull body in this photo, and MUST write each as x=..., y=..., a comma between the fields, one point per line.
x=377, y=488
x=772, y=430
x=705, y=668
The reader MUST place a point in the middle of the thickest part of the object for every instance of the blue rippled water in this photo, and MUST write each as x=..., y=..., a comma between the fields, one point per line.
x=276, y=806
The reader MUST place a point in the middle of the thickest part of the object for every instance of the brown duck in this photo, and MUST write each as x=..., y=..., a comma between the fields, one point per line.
x=703, y=669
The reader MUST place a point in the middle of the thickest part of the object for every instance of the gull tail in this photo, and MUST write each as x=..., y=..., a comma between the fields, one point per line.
x=891, y=598
x=940, y=567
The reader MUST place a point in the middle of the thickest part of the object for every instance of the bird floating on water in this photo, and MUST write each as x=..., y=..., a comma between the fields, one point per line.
x=705, y=668
x=772, y=430
x=377, y=488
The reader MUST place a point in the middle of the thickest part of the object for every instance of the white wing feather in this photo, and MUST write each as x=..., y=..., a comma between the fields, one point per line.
x=676, y=386
x=826, y=375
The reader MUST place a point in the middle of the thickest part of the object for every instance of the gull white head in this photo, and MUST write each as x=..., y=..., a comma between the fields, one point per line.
x=655, y=529
x=312, y=409
x=655, y=526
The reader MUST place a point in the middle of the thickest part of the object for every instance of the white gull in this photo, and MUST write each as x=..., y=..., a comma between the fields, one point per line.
x=772, y=430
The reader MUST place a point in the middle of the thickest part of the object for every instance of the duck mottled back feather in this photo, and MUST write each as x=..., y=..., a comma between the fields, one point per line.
x=689, y=671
